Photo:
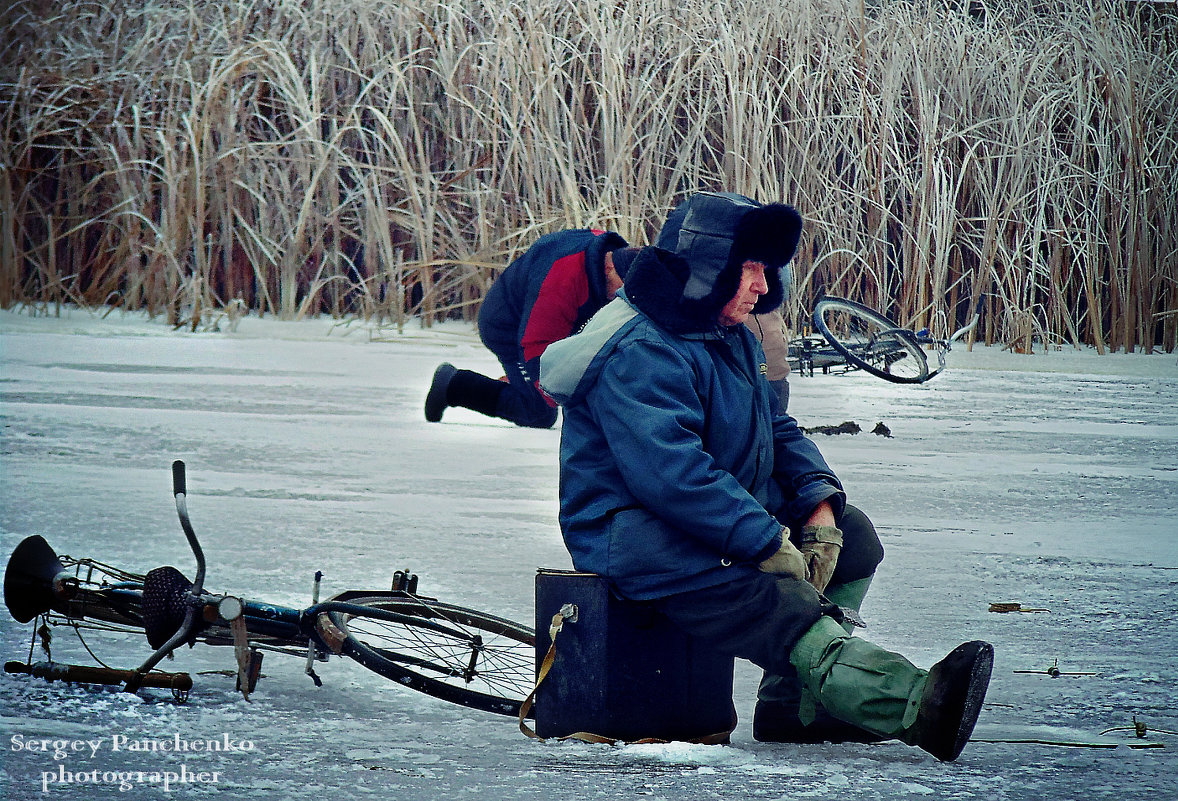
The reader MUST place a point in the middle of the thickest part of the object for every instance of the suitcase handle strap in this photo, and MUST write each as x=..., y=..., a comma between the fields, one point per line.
x=568, y=614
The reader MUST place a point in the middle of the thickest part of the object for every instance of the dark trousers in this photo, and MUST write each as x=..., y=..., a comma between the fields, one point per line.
x=520, y=401
x=760, y=618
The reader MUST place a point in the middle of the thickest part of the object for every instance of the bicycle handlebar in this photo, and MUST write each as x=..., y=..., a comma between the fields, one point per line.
x=195, y=597
x=178, y=481
x=965, y=329
x=178, y=489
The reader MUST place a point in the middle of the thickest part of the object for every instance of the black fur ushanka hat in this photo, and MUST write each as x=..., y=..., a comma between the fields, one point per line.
x=716, y=232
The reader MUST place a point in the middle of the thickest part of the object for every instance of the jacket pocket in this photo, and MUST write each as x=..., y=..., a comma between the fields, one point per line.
x=647, y=555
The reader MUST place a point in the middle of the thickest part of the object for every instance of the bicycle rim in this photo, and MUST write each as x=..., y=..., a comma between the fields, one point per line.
x=871, y=341
x=456, y=654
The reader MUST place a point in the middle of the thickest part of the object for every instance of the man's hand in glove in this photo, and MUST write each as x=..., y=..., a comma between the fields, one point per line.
x=820, y=549
x=787, y=561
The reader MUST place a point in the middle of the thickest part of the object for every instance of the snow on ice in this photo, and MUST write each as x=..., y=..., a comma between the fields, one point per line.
x=1049, y=480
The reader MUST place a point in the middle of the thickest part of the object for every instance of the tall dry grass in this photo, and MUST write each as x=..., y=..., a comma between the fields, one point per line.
x=385, y=159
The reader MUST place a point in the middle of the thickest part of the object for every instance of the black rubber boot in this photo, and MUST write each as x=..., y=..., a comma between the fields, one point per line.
x=435, y=399
x=475, y=391
x=779, y=721
x=857, y=681
x=952, y=700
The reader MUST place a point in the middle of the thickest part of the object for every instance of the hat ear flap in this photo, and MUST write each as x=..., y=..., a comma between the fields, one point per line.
x=769, y=235
x=779, y=288
x=622, y=259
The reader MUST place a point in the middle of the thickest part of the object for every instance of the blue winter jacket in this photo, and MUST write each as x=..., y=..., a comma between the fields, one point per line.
x=678, y=470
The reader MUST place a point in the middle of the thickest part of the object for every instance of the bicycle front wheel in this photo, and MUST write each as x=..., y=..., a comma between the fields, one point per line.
x=871, y=341
x=459, y=655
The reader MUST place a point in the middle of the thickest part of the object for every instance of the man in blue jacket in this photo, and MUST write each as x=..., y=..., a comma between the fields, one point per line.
x=769, y=326
x=685, y=485
x=544, y=295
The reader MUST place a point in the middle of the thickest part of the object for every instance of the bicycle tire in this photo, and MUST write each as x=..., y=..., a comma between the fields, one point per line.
x=456, y=654
x=871, y=341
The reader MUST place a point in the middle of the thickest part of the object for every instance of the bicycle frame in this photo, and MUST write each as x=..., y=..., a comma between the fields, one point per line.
x=454, y=653
x=80, y=597
x=85, y=591
x=809, y=353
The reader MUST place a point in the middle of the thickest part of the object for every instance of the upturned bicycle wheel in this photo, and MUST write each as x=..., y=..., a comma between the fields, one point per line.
x=456, y=654
x=871, y=341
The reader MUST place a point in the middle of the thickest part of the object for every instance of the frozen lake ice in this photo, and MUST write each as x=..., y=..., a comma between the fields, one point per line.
x=1050, y=480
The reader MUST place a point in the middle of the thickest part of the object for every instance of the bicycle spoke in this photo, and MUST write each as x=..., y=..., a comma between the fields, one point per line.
x=447, y=659
x=428, y=646
x=870, y=341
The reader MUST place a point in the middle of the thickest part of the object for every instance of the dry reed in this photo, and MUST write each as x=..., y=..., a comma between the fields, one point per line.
x=386, y=159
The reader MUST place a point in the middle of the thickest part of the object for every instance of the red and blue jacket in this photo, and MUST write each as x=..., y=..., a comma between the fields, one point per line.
x=546, y=294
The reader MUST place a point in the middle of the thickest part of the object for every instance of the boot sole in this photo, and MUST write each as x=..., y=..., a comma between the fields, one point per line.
x=435, y=399
x=979, y=682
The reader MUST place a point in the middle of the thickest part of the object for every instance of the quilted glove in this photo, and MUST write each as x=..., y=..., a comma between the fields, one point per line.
x=787, y=561
x=820, y=547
